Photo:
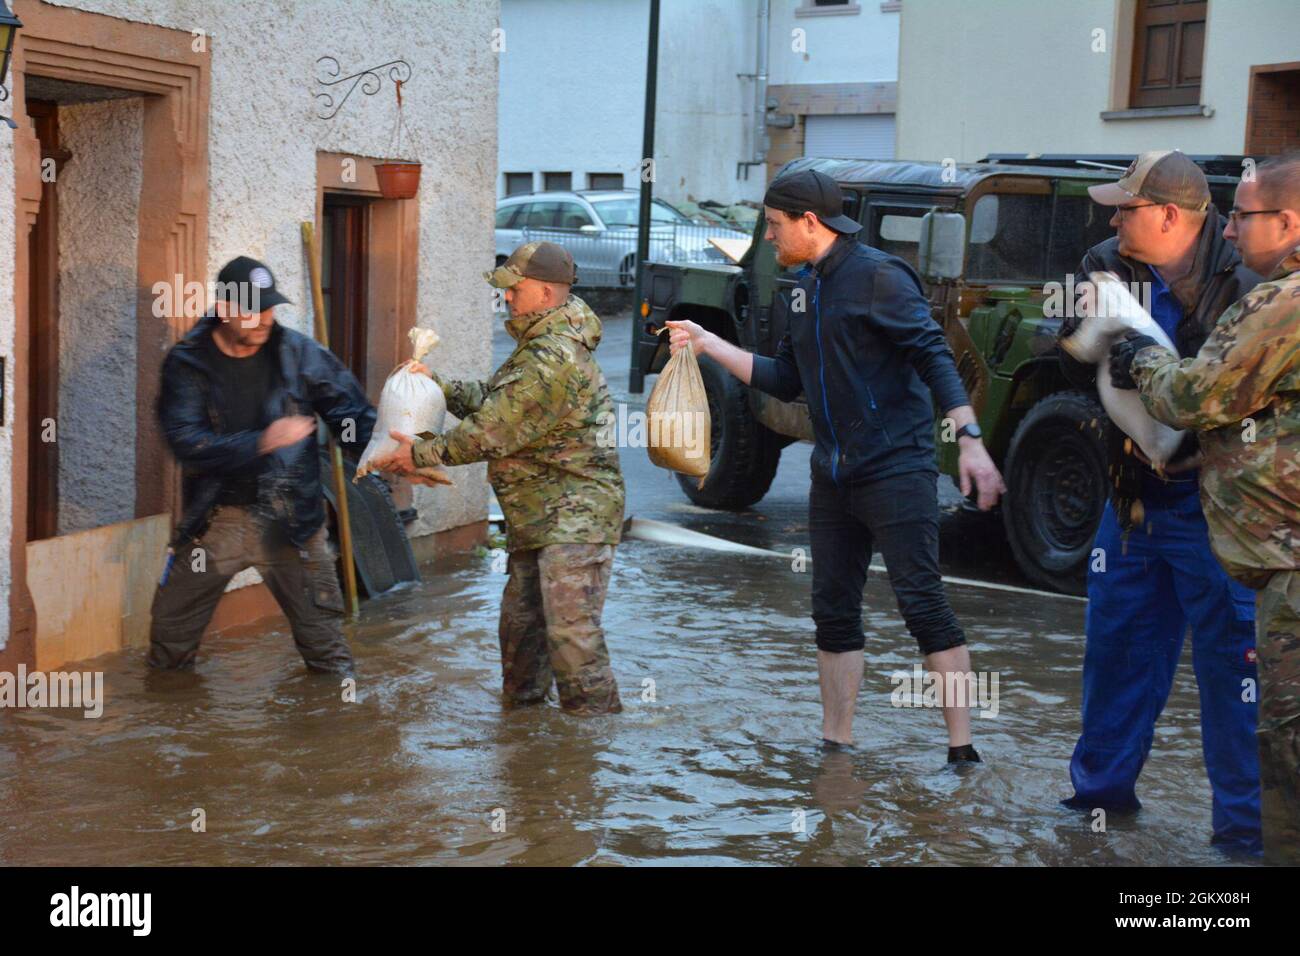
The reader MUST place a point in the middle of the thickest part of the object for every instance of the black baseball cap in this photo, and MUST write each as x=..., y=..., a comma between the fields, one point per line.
x=250, y=283
x=814, y=192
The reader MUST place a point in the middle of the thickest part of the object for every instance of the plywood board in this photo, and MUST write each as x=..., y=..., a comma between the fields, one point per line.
x=93, y=589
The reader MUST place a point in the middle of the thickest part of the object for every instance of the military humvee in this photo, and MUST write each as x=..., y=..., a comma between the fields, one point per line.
x=988, y=239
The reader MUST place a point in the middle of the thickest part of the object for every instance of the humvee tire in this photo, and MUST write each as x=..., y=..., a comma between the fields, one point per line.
x=1055, y=473
x=743, y=454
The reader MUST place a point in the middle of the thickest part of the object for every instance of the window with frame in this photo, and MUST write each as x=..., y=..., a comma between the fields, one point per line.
x=896, y=229
x=810, y=8
x=517, y=183
x=557, y=182
x=604, y=180
x=1168, y=52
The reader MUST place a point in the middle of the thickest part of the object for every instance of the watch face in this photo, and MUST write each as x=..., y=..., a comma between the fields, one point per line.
x=971, y=431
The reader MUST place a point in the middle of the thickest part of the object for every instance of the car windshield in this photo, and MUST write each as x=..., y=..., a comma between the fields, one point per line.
x=622, y=212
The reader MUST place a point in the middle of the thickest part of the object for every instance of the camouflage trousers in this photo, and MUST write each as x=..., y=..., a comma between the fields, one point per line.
x=1278, y=657
x=550, y=628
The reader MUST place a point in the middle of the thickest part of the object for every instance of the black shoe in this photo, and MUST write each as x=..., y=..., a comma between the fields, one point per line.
x=966, y=753
x=834, y=746
x=1077, y=802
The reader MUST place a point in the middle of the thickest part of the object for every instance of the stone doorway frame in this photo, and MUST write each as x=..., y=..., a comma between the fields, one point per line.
x=174, y=80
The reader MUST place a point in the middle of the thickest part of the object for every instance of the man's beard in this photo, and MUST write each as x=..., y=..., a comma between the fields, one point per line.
x=790, y=258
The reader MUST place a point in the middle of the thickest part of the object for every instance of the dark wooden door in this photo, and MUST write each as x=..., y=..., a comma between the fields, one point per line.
x=43, y=338
x=344, y=249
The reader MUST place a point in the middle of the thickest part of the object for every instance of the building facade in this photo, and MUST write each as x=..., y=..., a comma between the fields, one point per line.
x=1099, y=77
x=156, y=140
x=573, y=91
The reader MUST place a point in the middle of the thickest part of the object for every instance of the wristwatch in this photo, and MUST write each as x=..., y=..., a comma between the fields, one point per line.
x=969, y=431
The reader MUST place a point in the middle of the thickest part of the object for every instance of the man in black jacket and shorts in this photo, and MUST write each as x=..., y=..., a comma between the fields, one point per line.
x=866, y=352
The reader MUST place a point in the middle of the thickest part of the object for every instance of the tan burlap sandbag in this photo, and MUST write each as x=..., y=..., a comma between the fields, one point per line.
x=677, y=417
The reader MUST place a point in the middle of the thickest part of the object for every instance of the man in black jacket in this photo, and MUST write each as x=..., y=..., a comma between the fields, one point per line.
x=1153, y=572
x=239, y=400
x=864, y=349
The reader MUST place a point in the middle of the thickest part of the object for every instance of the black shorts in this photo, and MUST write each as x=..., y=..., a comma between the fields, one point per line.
x=899, y=517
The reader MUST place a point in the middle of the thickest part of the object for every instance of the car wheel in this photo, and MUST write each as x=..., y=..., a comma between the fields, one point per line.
x=1055, y=472
x=743, y=454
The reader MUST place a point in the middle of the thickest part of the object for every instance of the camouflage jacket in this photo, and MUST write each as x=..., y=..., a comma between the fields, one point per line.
x=538, y=423
x=1242, y=393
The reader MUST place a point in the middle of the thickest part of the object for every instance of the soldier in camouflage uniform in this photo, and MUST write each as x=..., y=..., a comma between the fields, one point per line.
x=1241, y=392
x=540, y=422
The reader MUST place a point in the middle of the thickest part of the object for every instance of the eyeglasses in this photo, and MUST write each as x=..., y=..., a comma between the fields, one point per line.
x=1235, y=215
x=1121, y=211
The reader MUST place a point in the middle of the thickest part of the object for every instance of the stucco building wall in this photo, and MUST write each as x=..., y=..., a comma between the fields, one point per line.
x=99, y=230
x=1030, y=79
x=264, y=136
x=573, y=93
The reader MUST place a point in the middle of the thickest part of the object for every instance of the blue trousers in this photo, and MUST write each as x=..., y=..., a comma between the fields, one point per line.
x=1139, y=607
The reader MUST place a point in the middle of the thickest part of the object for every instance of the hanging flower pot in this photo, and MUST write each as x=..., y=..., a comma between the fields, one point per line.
x=401, y=179
x=398, y=180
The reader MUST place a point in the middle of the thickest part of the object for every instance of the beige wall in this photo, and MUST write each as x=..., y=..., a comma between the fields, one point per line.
x=1021, y=76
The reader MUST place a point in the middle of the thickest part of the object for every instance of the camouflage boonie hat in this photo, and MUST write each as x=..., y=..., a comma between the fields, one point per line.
x=544, y=261
x=1165, y=176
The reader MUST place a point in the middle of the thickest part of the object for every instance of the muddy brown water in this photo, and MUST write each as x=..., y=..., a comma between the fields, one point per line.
x=718, y=765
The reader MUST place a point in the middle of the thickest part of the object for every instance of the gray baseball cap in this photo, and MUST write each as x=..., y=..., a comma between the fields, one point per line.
x=1166, y=176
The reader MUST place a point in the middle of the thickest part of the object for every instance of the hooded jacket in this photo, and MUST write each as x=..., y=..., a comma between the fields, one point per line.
x=1217, y=279
x=867, y=353
x=543, y=424
x=311, y=380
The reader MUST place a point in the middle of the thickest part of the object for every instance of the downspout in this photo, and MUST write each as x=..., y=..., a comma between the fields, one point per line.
x=758, y=133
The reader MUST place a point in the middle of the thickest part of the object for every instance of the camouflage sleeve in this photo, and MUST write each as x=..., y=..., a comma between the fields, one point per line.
x=1235, y=372
x=513, y=415
x=463, y=397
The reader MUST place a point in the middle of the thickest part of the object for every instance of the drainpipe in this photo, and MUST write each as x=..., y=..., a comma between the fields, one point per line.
x=635, y=378
x=758, y=134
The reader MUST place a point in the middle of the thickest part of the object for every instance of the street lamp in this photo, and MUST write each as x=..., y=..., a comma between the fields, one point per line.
x=9, y=25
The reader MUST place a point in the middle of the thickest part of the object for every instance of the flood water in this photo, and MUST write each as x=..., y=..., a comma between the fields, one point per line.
x=719, y=765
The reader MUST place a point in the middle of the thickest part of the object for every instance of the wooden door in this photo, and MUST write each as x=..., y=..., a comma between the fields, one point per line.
x=344, y=266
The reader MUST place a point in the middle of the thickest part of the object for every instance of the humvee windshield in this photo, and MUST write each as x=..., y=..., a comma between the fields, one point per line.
x=1034, y=234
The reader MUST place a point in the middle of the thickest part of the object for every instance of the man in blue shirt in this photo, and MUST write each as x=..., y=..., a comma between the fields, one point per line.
x=1153, y=573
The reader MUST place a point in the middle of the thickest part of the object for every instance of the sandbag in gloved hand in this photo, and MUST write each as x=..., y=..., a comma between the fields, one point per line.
x=1122, y=354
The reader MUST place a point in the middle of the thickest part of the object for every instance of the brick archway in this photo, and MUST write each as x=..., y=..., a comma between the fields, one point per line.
x=173, y=78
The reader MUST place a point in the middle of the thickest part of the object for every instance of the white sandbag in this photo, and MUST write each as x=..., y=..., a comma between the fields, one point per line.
x=410, y=403
x=1109, y=314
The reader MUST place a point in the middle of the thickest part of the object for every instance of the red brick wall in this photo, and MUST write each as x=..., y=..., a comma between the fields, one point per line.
x=1273, y=113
